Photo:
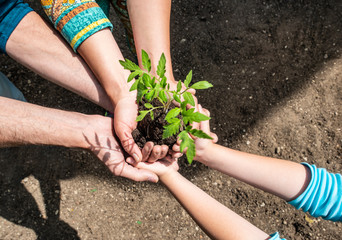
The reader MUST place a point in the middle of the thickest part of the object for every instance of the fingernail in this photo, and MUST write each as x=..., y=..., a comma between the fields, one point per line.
x=136, y=158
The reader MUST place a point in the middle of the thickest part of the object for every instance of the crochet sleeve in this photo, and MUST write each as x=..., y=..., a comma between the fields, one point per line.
x=76, y=20
x=323, y=196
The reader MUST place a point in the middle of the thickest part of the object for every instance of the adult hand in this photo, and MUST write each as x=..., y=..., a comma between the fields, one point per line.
x=125, y=113
x=102, y=142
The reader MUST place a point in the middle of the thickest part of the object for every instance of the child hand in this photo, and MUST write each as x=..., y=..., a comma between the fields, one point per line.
x=202, y=145
x=162, y=167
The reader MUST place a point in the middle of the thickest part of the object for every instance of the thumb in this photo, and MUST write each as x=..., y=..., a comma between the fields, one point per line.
x=204, y=125
x=124, y=133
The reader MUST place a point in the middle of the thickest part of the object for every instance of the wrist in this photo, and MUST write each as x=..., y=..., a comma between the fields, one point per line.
x=205, y=155
x=119, y=91
x=168, y=176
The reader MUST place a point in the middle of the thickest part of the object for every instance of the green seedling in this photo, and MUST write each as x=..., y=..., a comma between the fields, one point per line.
x=180, y=118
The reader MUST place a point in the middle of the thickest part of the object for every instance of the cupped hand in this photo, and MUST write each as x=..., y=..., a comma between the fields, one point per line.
x=125, y=113
x=161, y=167
x=102, y=142
x=201, y=144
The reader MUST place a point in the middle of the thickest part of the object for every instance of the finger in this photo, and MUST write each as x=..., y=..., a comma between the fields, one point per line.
x=128, y=144
x=164, y=151
x=177, y=155
x=205, y=127
x=176, y=148
x=192, y=91
x=135, y=174
x=214, y=136
x=169, y=158
x=146, y=151
x=155, y=155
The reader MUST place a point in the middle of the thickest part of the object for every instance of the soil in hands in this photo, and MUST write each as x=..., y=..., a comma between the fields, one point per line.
x=152, y=130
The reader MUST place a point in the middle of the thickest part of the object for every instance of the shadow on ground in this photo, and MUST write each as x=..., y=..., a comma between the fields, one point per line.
x=257, y=54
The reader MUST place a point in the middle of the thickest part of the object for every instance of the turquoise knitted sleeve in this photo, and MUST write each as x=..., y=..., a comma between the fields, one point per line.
x=323, y=196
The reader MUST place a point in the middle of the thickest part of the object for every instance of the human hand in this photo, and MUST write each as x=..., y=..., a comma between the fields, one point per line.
x=163, y=168
x=101, y=141
x=125, y=113
x=152, y=153
x=202, y=145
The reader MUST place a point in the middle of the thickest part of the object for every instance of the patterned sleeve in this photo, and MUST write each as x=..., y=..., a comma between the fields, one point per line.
x=76, y=20
x=323, y=196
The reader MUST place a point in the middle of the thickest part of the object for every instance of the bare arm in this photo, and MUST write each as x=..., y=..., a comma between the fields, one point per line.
x=282, y=178
x=40, y=48
x=153, y=33
x=25, y=123
x=218, y=221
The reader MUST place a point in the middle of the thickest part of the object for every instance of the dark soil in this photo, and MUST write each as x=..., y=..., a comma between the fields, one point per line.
x=152, y=130
x=276, y=67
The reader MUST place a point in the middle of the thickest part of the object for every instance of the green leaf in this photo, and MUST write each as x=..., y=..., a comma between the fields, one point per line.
x=162, y=96
x=176, y=97
x=183, y=106
x=201, y=85
x=141, y=85
x=149, y=95
x=194, y=117
x=200, y=134
x=152, y=115
x=147, y=80
x=163, y=82
x=148, y=105
x=141, y=94
x=129, y=65
x=172, y=113
x=189, y=143
x=134, y=86
x=188, y=112
x=156, y=93
x=189, y=98
x=188, y=79
x=161, y=66
x=179, y=86
x=141, y=116
x=132, y=76
x=172, y=128
x=146, y=61
x=153, y=82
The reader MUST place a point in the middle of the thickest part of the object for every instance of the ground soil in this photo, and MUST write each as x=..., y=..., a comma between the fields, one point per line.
x=276, y=67
x=151, y=130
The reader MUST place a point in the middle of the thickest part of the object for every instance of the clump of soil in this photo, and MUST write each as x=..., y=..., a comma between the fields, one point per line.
x=152, y=130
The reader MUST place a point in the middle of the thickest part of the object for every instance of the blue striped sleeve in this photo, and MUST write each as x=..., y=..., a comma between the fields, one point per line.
x=323, y=196
x=275, y=236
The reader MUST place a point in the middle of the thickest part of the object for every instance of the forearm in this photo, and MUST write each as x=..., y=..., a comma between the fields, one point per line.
x=102, y=55
x=25, y=123
x=37, y=46
x=153, y=33
x=215, y=219
x=283, y=178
